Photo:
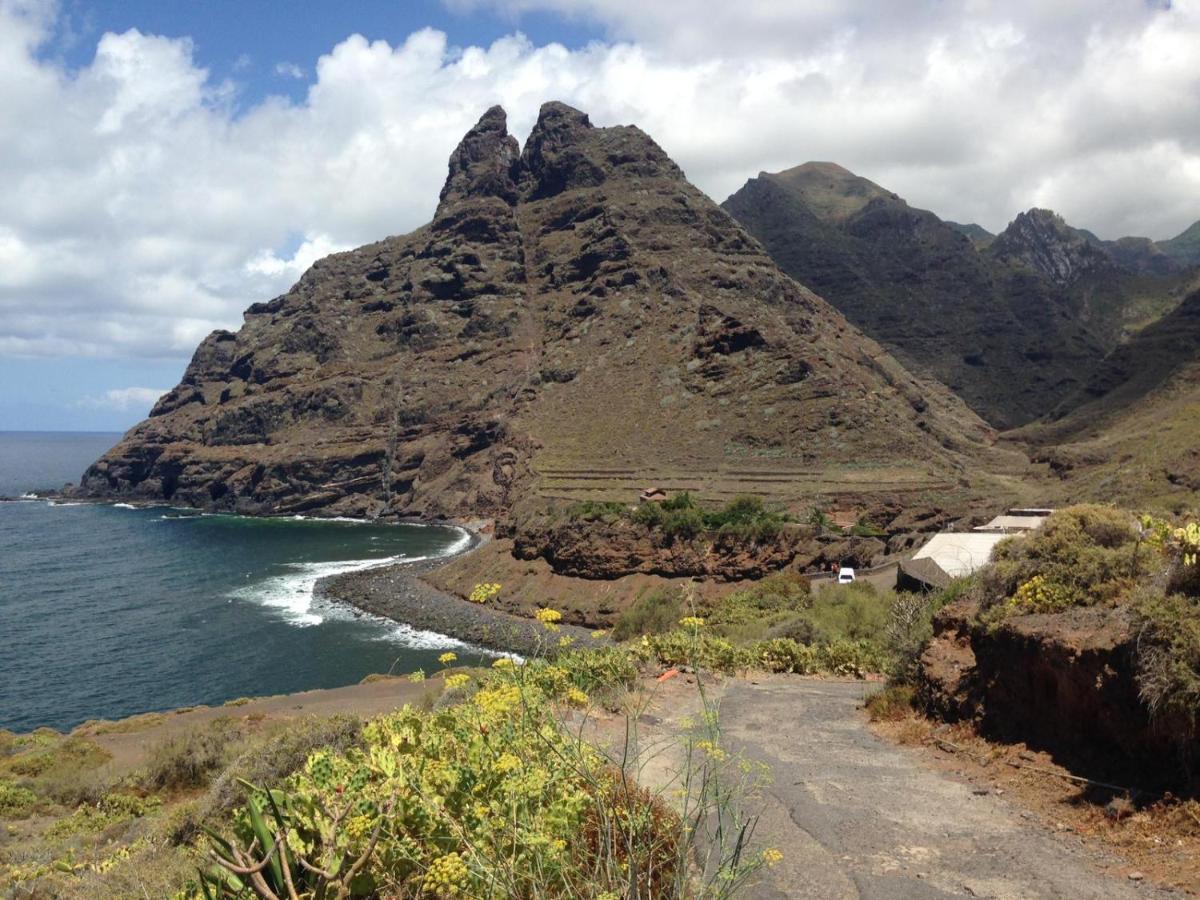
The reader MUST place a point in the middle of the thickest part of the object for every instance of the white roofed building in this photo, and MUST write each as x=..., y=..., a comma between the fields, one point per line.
x=960, y=553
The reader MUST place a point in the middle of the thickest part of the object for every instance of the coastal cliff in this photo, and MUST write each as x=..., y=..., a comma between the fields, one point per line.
x=573, y=306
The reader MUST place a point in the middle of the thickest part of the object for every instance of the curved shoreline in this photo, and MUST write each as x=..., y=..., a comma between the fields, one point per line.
x=399, y=593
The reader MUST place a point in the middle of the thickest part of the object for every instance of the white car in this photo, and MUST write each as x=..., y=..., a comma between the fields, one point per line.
x=845, y=575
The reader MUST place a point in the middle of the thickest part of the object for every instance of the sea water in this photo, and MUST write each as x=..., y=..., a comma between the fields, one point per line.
x=110, y=610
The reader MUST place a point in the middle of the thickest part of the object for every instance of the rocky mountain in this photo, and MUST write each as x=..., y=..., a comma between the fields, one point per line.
x=1040, y=241
x=1184, y=248
x=1007, y=339
x=978, y=235
x=576, y=321
x=1130, y=435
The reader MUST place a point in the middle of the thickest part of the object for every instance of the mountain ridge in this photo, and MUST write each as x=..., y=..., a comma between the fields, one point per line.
x=574, y=314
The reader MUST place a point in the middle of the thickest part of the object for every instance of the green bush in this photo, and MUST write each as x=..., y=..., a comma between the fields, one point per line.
x=850, y=612
x=15, y=801
x=682, y=517
x=893, y=702
x=490, y=797
x=597, y=511
x=752, y=612
x=67, y=770
x=191, y=759
x=651, y=613
x=687, y=524
x=1168, y=655
x=598, y=669
x=1082, y=555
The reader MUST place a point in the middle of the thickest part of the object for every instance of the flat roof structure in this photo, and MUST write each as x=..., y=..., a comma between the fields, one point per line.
x=960, y=553
x=1012, y=522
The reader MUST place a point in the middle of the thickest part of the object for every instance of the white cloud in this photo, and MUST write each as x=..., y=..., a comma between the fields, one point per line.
x=126, y=399
x=143, y=208
x=289, y=70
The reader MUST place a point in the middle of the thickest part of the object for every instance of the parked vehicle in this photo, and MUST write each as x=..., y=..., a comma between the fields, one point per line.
x=845, y=575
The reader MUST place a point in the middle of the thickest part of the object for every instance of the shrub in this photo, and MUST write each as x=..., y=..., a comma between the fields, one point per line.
x=894, y=702
x=597, y=511
x=783, y=655
x=652, y=613
x=599, y=668
x=685, y=523
x=15, y=801
x=754, y=611
x=67, y=770
x=850, y=612
x=189, y=760
x=1082, y=555
x=487, y=798
x=909, y=629
x=265, y=759
x=109, y=810
x=279, y=754
x=1168, y=654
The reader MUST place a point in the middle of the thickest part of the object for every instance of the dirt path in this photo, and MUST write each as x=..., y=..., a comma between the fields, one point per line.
x=860, y=818
x=857, y=817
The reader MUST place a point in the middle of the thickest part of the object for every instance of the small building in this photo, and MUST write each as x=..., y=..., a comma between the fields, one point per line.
x=845, y=519
x=652, y=495
x=1016, y=521
x=960, y=553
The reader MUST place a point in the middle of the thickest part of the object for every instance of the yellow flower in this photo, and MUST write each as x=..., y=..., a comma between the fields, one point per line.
x=454, y=682
x=600, y=633
x=711, y=750
x=417, y=677
x=576, y=697
x=691, y=622
x=448, y=657
x=771, y=856
x=482, y=593
x=506, y=763
x=566, y=641
x=549, y=618
x=504, y=662
x=446, y=877
x=498, y=701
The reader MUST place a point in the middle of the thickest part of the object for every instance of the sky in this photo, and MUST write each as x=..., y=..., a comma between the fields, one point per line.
x=166, y=164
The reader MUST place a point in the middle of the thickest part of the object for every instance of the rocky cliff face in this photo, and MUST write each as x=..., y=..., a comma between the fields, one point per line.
x=1040, y=241
x=1062, y=682
x=1003, y=337
x=574, y=304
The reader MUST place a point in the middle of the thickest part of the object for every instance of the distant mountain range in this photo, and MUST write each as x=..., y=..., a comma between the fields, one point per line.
x=1015, y=323
x=579, y=322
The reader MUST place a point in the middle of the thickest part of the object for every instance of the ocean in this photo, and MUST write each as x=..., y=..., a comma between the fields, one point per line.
x=107, y=610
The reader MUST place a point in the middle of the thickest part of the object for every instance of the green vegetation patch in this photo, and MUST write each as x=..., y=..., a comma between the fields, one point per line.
x=654, y=612
x=1168, y=658
x=1081, y=556
x=490, y=796
x=681, y=516
x=15, y=801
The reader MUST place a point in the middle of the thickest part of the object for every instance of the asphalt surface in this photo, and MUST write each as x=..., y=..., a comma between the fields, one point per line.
x=857, y=817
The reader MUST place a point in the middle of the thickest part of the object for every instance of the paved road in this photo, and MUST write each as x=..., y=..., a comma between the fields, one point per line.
x=857, y=817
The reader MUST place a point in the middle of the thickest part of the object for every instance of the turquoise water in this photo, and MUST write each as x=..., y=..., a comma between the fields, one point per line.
x=107, y=611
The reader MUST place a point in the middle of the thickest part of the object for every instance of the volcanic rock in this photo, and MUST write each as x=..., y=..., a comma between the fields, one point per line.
x=577, y=308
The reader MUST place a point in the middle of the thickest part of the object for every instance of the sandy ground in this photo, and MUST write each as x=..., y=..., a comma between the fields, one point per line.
x=130, y=740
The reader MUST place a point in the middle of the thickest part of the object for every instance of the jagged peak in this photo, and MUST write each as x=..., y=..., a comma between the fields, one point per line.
x=1041, y=240
x=554, y=115
x=565, y=151
x=484, y=164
